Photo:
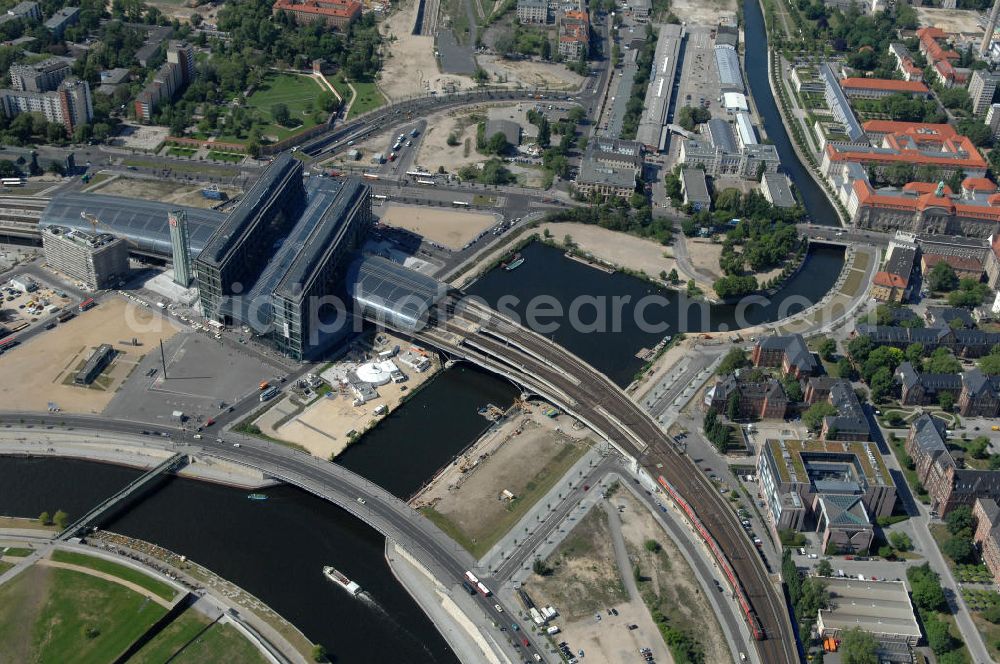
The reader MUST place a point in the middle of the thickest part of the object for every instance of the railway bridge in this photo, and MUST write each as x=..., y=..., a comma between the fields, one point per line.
x=387, y=294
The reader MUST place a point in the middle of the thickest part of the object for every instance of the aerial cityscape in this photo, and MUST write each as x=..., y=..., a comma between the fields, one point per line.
x=438, y=331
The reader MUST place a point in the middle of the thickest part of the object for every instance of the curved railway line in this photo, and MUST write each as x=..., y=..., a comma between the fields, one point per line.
x=528, y=358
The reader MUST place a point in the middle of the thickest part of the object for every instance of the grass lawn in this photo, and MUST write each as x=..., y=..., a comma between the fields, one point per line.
x=5, y=566
x=369, y=98
x=57, y=615
x=293, y=91
x=21, y=522
x=898, y=448
x=16, y=551
x=175, y=151
x=154, y=586
x=193, y=639
x=545, y=478
x=231, y=157
x=195, y=168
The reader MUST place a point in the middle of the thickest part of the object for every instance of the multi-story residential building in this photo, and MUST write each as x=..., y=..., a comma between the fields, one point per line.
x=837, y=102
x=849, y=422
x=30, y=12
x=43, y=76
x=987, y=515
x=980, y=395
x=942, y=58
x=993, y=119
x=892, y=282
x=777, y=191
x=69, y=104
x=834, y=487
x=992, y=264
x=961, y=342
x=756, y=399
x=334, y=13
x=62, y=19
x=175, y=74
x=789, y=352
x=905, y=64
x=877, y=88
x=533, y=12
x=982, y=85
x=947, y=485
x=574, y=35
x=719, y=154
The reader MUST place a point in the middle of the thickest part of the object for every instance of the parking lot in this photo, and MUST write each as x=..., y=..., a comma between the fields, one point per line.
x=21, y=309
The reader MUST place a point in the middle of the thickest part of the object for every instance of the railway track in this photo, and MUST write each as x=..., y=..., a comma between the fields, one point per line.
x=608, y=409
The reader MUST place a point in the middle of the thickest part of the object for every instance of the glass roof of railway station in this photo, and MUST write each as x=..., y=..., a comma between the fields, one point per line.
x=144, y=222
x=392, y=293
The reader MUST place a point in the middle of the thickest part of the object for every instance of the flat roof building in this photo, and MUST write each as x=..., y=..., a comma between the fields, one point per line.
x=876, y=88
x=777, y=191
x=96, y=363
x=727, y=64
x=695, y=188
x=720, y=155
x=652, y=123
x=98, y=260
x=881, y=608
x=511, y=130
x=61, y=20
x=836, y=100
x=534, y=12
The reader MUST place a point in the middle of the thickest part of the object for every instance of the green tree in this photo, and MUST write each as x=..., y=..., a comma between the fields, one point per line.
x=497, y=144
x=652, y=546
x=793, y=389
x=319, y=652
x=943, y=362
x=914, y=354
x=959, y=549
x=674, y=278
x=938, y=637
x=900, y=541
x=858, y=647
x=977, y=447
x=45, y=519
x=814, y=414
x=990, y=364
x=824, y=568
x=540, y=567
x=881, y=384
x=845, y=369
x=60, y=518
x=960, y=521
x=280, y=114
x=947, y=401
x=942, y=277
x=733, y=407
x=827, y=349
x=735, y=359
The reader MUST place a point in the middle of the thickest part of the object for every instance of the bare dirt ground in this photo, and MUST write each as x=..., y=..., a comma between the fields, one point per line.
x=670, y=578
x=140, y=137
x=703, y=12
x=950, y=20
x=617, y=248
x=160, y=190
x=43, y=363
x=704, y=255
x=524, y=456
x=434, y=151
x=183, y=10
x=410, y=67
x=585, y=577
x=530, y=74
x=448, y=228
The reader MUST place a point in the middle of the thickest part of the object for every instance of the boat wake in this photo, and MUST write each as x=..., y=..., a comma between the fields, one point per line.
x=385, y=615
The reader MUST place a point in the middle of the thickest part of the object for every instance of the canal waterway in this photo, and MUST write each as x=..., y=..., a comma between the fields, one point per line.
x=275, y=549
x=648, y=312
x=818, y=206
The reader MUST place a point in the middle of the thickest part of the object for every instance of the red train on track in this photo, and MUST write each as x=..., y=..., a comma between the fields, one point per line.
x=720, y=557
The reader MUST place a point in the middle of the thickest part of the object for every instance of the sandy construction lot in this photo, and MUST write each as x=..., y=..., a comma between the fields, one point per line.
x=703, y=12
x=165, y=191
x=36, y=370
x=530, y=74
x=704, y=255
x=434, y=151
x=950, y=20
x=524, y=456
x=410, y=67
x=617, y=248
x=448, y=228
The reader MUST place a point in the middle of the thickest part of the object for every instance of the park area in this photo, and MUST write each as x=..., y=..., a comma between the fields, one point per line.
x=452, y=229
x=525, y=456
x=283, y=105
x=45, y=365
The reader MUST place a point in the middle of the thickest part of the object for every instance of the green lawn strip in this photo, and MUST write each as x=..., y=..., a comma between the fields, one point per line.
x=155, y=586
x=538, y=486
x=194, y=168
x=899, y=449
x=231, y=157
x=171, y=639
x=369, y=98
x=16, y=551
x=221, y=643
x=5, y=566
x=87, y=619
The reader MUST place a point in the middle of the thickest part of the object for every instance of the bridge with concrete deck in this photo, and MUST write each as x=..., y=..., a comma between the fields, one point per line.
x=123, y=496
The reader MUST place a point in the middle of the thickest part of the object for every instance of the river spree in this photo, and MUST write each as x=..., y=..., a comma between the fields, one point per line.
x=275, y=549
x=547, y=273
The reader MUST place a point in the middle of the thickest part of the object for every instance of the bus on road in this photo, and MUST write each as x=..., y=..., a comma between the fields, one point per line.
x=429, y=183
x=459, y=204
x=87, y=304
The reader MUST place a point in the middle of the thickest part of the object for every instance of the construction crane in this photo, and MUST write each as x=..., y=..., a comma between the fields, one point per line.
x=95, y=222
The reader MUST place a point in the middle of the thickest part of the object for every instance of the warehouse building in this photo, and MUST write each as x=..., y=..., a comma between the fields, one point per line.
x=652, y=131
x=99, y=260
x=881, y=608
